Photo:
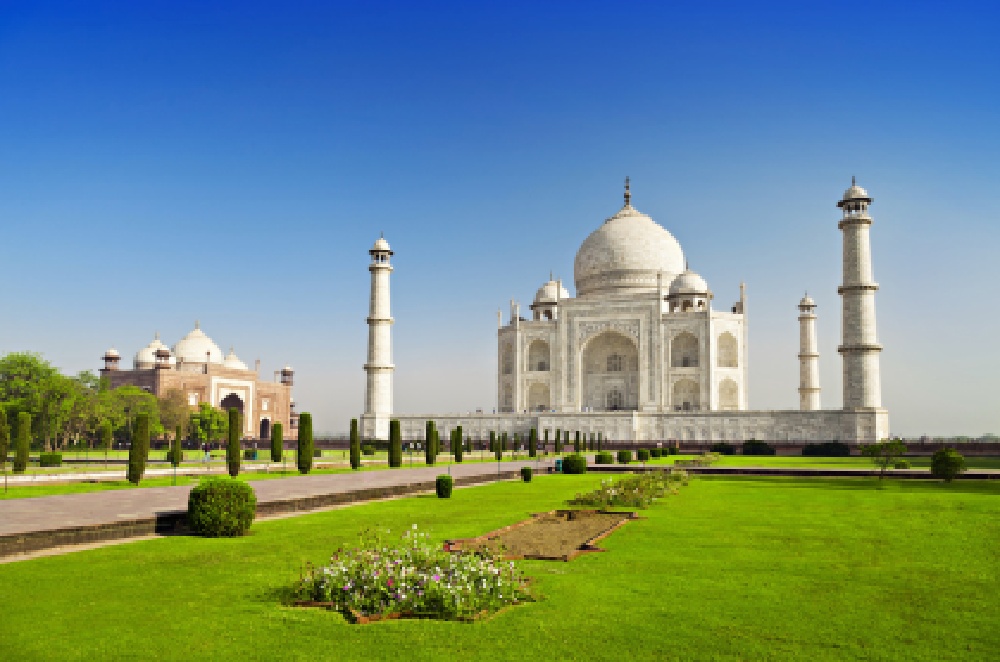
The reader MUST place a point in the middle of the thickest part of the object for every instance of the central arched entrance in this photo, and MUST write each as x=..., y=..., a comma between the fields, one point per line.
x=609, y=369
x=230, y=401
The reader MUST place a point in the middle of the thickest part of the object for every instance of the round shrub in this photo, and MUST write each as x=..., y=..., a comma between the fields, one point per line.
x=443, y=486
x=221, y=507
x=50, y=460
x=367, y=449
x=946, y=464
x=722, y=448
x=526, y=474
x=624, y=456
x=655, y=452
x=642, y=454
x=901, y=464
x=754, y=447
x=574, y=464
x=604, y=457
x=827, y=449
x=673, y=450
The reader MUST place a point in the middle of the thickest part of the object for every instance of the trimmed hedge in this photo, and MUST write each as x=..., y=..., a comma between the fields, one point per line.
x=642, y=454
x=277, y=442
x=604, y=457
x=221, y=507
x=827, y=449
x=624, y=456
x=50, y=460
x=574, y=464
x=526, y=474
x=722, y=448
x=367, y=449
x=304, y=457
x=443, y=485
x=754, y=447
x=656, y=452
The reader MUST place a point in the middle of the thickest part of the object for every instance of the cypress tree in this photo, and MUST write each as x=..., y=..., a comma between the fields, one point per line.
x=4, y=445
x=139, y=450
x=233, y=443
x=558, y=447
x=545, y=446
x=429, y=443
x=566, y=438
x=516, y=446
x=23, y=442
x=533, y=443
x=104, y=436
x=600, y=435
x=498, y=448
x=576, y=442
x=458, y=445
x=493, y=441
x=277, y=442
x=305, y=450
x=355, y=445
x=176, y=452
x=395, y=444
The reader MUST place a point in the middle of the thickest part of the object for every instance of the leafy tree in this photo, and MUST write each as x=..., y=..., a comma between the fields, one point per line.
x=104, y=438
x=208, y=423
x=174, y=409
x=533, y=443
x=277, y=442
x=4, y=445
x=21, y=447
x=139, y=450
x=883, y=454
x=305, y=453
x=395, y=444
x=947, y=463
x=355, y=445
x=233, y=443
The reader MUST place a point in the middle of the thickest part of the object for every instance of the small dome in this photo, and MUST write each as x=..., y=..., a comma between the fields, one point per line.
x=112, y=354
x=551, y=292
x=233, y=361
x=807, y=302
x=689, y=283
x=193, y=347
x=145, y=358
x=287, y=369
x=854, y=193
x=381, y=245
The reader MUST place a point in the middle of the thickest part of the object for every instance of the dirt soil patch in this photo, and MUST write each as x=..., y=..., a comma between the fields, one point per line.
x=559, y=535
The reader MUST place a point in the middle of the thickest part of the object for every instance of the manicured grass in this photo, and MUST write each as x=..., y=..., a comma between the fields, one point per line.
x=852, y=462
x=727, y=569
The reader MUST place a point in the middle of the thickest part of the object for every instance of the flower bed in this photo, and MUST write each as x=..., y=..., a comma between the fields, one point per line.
x=636, y=491
x=378, y=581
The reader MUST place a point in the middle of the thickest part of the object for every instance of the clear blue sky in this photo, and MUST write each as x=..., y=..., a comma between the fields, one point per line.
x=164, y=162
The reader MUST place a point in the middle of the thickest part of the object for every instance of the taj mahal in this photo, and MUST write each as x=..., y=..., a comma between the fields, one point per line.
x=644, y=353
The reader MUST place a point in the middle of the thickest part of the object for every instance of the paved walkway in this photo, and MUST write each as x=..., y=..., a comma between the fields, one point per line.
x=65, y=511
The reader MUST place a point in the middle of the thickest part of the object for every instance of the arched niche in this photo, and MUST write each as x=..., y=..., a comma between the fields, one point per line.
x=609, y=365
x=538, y=397
x=684, y=350
x=729, y=395
x=686, y=395
x=729, y=351
x=538, y=355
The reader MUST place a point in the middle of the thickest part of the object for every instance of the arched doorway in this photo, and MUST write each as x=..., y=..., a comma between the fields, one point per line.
x=610, y=373
x=265, y=428
x=230, y=401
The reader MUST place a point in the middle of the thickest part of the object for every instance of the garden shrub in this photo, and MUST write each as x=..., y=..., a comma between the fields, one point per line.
x=624, y=456
x=673, y=450
x=4, y=439
x=277, y=442
x=249, y=454
x=604, y=457
x=412, y=578
x=901, y=464
x=139, y=450
x=722, y=448
x=22, y=442
x=367, y=449
x=533, y=443
x=754, y=447
x=221, y=507
x=946, y=464
x=827, y=449
x=655, y=452
x=526, y=474
x=355, y=445
x=637, y=491
x=642, y=454
x=50, y=460
x=305, y=454
x=395, y=444
x=233, y=442
x=317, y=452
x=574, y=464
x=443, y=485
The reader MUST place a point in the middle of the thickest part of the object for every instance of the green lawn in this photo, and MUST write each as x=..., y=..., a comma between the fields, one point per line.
x=729, y=569
x=921, y=462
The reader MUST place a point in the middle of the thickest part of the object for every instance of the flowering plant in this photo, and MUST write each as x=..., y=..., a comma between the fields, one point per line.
x=635, y=491
x=413, y=578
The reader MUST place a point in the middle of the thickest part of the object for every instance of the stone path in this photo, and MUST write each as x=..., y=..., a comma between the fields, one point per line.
x=45, y=522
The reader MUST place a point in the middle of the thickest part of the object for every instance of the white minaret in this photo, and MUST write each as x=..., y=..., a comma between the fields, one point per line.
x=859, y=346
x=808, y=356
x=378, y=394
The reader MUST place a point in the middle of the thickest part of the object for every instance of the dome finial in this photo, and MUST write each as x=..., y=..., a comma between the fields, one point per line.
x=853, y=181
x=550, y=275
x=628, y=194
x=197, y=324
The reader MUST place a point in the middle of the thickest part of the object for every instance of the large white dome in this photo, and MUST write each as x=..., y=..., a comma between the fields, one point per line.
x=192, y=348
x=626, y=254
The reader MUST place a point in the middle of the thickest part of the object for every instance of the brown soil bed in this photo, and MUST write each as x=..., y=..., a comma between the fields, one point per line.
x=559, y=535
